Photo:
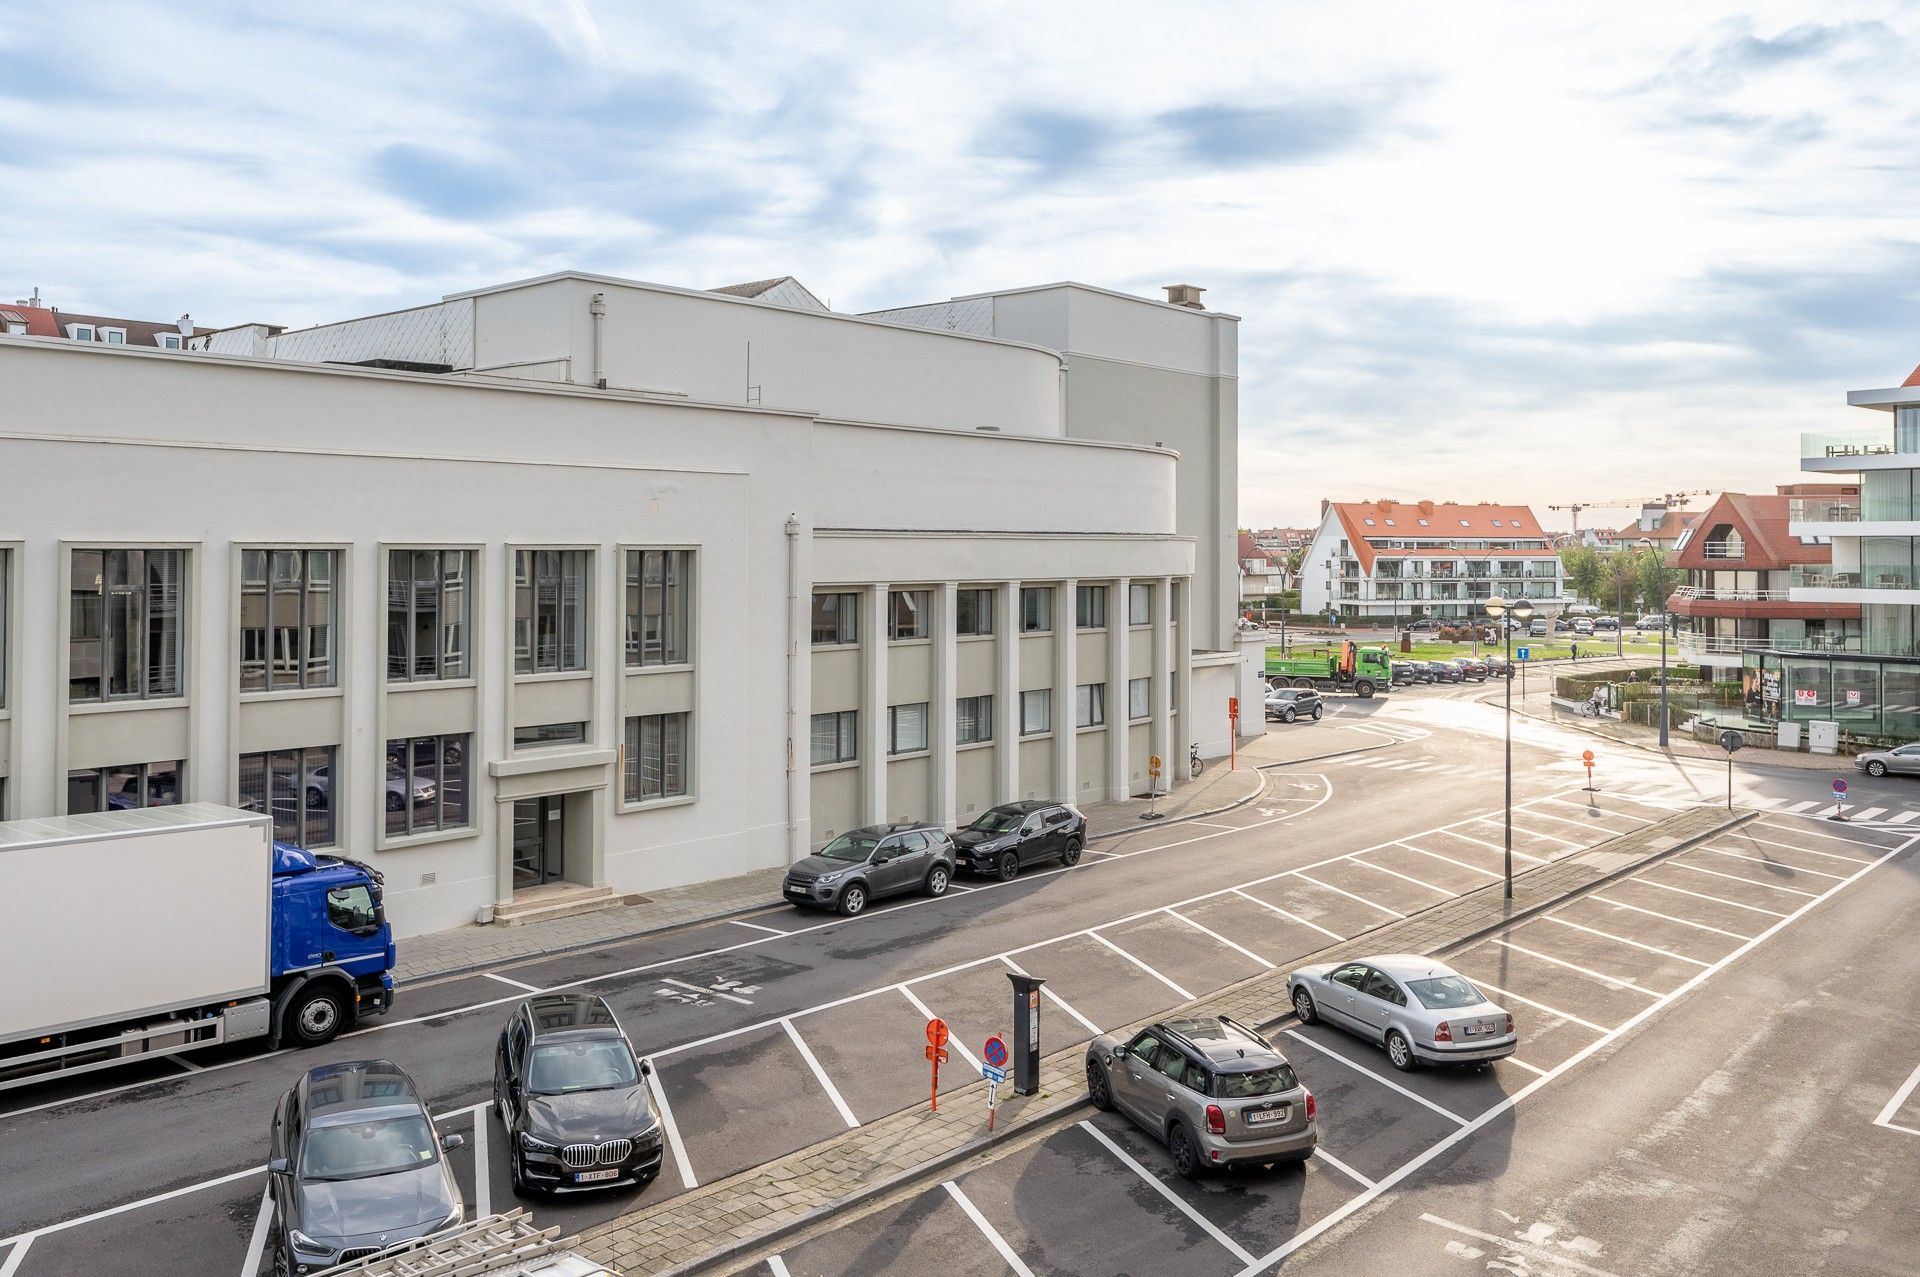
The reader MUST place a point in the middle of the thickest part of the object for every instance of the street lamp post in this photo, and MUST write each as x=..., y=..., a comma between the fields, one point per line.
x=1518, y=611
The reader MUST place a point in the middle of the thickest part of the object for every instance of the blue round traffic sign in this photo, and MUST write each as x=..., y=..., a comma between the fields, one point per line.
x=1839, y=786
x=994, y=1052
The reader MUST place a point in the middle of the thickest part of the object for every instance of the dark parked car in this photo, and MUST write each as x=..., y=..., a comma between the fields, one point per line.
x=356, y=1166
x=1470, y=667
x=1446, y=672
x=1404, y=672
x=1606, y=624
x=1499, y=667
x=572, y=1096
x=1419, y=671
x=1426, y=625
x=1564, y=625
x=866, y=864
x=1288, y=704
x=1006, y=839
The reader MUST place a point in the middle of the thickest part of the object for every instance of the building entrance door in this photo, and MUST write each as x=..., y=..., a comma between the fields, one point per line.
x=539, y=840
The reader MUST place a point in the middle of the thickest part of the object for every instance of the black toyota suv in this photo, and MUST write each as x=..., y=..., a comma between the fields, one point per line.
x=572, y=1096
x=866, y=864
x=1006, y=839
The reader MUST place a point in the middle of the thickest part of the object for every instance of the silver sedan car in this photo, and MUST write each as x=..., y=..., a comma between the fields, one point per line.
x=1901, y=761
x=1421, y=1010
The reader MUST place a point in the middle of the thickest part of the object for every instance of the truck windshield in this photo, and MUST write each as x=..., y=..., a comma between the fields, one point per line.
x=1242, y=1086
x=598, y=1065
x=854, y=847
x=1445, y=993
x=355, y=1150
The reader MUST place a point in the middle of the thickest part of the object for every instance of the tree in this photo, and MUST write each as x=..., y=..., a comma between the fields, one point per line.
x=1619, y=580
x=1657, y=580
x=1583, y=570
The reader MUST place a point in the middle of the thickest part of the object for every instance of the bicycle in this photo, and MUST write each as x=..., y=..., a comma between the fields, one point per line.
x=1194, y=765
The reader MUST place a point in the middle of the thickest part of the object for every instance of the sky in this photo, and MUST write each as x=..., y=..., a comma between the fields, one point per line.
x=1515, y=252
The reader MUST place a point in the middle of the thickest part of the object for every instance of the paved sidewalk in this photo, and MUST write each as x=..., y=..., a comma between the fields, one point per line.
x=731, y=1218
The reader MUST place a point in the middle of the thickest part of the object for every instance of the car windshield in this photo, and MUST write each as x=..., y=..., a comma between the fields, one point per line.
x=1444, y=992
x=599, y=1064
x=998, y=821
x=355, y=1150
x=853, y=847
x=1242, y=1086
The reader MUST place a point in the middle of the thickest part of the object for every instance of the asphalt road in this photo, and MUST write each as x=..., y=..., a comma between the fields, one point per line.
x=775, y=1030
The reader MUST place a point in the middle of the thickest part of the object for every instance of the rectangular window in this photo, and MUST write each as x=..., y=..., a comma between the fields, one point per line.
x=125, y=630
x=972, y=613
x=124, y=787
x=287, y=618
x=5, y=563
x=836, y=619
x=1036, y=609
x=171, y=341
x=907, y=728
x=114, y=336
x=294, y=786
x=659, y=603
x=543, y=735
x=549, y=611
x=907, y=614
x=1139, y=698
x=426, y=785
x=427, y=615
x=656, y=763
x=836, y=737
x=80, y=332
x=1091, y=707
x=1036, y=712
x=1139, y=604
x=1090, y=607
x=972, y=720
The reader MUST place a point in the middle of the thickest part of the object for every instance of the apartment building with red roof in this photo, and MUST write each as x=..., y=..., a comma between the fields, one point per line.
x=1393, y=560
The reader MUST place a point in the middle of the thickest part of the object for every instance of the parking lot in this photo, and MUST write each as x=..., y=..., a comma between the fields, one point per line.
x=1100, y=1195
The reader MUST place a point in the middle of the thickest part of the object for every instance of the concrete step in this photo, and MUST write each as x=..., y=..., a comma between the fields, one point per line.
x=555, y=900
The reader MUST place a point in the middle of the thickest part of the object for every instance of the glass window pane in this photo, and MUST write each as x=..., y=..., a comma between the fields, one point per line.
x=673, y=756
x=86, y=791
x=317, y=656
x=424, y=796
x=523, y=611
x=283, y=668
x=399, y=626
x=573, y=610
x=86, y=627
x=456, y=605
x=124, y=622
x=395, y=797
x=423, y=586
x=1139, y=697
x=825, y=736
x=907, y=728
x=163, y=784
x=679, y=605
x=165, y=573
x=849, y=734
x=285, y=793
x=630, y=747
x=317, y=797
x=253, y=620
x=453, y=782
x=253, y=782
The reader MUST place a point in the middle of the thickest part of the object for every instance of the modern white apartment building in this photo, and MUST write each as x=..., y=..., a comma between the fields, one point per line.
x=587, y=581
x=1392, y=561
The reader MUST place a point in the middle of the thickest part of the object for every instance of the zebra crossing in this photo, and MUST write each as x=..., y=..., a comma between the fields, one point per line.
x=1432, y=766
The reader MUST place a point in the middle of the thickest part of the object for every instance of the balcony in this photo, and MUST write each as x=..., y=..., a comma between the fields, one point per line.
x=1761, y=605
x=1728, y=549
x=1868, y=450
x=1824, y=510
x=1897, y=577
x=1740, y=596
x=1697, y=645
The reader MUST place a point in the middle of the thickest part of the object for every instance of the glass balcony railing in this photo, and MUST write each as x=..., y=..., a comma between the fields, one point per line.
x=1876, y=443
x=1870, y=577
x=1826, y=510
x=1699, y=644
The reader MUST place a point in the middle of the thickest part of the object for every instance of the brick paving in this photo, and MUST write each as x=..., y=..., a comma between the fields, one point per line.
x=733, y=1217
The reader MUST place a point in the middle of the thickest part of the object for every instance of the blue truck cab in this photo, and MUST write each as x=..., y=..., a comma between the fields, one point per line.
x=332, y=950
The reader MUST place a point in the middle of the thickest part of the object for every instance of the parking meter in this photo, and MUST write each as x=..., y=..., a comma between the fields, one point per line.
x=1026, y=1033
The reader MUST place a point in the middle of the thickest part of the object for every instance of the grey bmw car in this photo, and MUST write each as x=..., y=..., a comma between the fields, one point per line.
x=1419, y=1009
x=355, y=1167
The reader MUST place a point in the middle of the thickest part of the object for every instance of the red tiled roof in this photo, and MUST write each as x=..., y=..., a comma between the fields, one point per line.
x=1913, y=378
x=1438, y=520
x=39, y=320
x=1761, y=520
x=1670, y=528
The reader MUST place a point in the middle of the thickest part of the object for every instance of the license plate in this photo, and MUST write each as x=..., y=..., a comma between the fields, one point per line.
x=796, y=891
x=1475, y=1030
x=1266, y=1117
x=588, y=1177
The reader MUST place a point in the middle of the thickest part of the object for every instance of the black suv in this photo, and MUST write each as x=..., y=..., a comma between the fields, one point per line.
x=355, y=1166
x=1006, y=839
x=866, y=864
x=571, y=1095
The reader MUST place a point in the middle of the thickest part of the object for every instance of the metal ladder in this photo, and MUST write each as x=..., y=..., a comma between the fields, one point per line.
x=487, y=1245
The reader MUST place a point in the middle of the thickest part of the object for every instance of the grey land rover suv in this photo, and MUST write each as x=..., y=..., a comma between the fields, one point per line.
x=1218, y=1093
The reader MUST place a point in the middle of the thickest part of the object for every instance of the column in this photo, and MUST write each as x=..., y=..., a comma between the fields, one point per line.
x=946, y=654
x=1186, y=722
x=873, y=703
x=1119, y=702
x=1006, y=692
x=1066, y=754
x=1161, y=734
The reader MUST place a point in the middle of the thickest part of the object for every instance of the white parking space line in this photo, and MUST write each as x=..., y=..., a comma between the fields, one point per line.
x=1609, y=811
x=1358, y=860
x=1056, y=999
x=19, y=1253
x=1701, y=895
x=1569, y=820
x=1534, y=1069
x=186, y=1064
x=1110, y=855
x=1762, y=860
x=1519, y=828
x=777, y=1266
x=1608, y=935
x=520, y=985
x=1348, y=894
x=256, y=1244
x=826, y=1083
x=973, y=1061
x=1654, y=913
x=1285, y=914
x=1209, y=931
x=1556, y=1012
x=1153, y=1181
x=1537, y=1253
x=992, y=1234
x=1841, y=856
x=1821, y=833
x=1338, y=1165
x=1601, y=976
x=1893, y=1105
x=1461, y=864
x=1751, y=882
x=1453, y=832
x=703, y=990
x=1184, y=995
x=754, y=926
x=482, y=1167
x=658, y=1092
x=1387, y=1082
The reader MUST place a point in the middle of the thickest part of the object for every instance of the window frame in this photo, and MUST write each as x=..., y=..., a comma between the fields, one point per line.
x=1135, y=713
x=104, y=594
x=335, y=589
x=306, y=760
x=1042, y=597
x=846, y=738
x=1139, y=593
x=1090, y=607
x=6, y=633
x=982, y=713
x=634, y=759
x=846, y=619
x=440, y=828
x=573, y=625
x=1090, y=705
x=562, y=742
x=467, y=586
x=895, y=749
x=679, y=605
x=920, y=626
x=74, y=330
x=983, y=603
x=1046, y=695
x=142, y=784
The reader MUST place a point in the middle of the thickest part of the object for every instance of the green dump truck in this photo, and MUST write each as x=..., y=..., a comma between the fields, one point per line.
x=1360, y=670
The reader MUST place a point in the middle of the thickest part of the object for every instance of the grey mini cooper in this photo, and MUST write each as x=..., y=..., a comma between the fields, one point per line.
x=1218, y=1093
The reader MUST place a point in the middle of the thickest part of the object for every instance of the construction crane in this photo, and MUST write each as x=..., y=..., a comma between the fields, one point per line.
x=1671, y=499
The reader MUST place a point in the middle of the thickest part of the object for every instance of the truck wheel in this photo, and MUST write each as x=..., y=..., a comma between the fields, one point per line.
x=1303, y=682
x=1364, y=689
x=316, y=1014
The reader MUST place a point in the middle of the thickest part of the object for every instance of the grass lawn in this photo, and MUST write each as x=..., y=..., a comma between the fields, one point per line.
x=1559, y=647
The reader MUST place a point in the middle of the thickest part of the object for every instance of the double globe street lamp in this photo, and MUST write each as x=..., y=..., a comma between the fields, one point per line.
x=1509, y=614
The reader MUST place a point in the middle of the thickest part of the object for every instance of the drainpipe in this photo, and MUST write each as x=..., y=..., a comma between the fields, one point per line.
x=793, y=671
x=598, y=309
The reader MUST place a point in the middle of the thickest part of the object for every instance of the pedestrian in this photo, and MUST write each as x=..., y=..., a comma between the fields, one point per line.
x=1576, y=651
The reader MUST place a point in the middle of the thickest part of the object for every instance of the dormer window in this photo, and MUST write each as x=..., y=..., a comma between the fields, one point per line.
x=114, y=336
x=81, y=332
x=1496, y=523
x=170, y=341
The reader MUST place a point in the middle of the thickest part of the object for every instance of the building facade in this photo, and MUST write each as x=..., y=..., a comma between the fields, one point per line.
x=591, y=582
x=1387, y=562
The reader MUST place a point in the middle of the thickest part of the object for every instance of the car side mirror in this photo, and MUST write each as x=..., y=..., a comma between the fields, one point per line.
x=1119, y=1054
x=646, y=1068
x=450, y=1142
x=278, y=1166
